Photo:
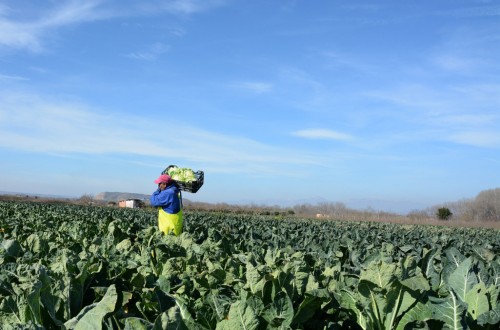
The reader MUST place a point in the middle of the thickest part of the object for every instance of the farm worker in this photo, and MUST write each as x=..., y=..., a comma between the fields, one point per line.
x=167, y=198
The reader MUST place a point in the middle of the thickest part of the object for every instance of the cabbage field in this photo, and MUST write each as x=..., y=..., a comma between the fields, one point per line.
x=86, y=267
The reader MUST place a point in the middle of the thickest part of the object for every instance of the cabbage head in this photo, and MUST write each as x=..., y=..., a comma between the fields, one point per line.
x=182, y=174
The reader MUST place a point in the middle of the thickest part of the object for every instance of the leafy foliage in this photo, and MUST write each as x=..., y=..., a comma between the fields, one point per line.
x=444, y=213
x=76, y=267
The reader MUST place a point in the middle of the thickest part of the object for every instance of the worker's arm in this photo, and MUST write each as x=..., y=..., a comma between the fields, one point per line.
x=161, y=198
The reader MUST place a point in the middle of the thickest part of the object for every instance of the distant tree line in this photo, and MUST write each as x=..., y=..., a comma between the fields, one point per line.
x=484, y=207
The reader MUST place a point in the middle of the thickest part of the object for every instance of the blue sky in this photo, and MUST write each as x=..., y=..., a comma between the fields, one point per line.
x=369, y=103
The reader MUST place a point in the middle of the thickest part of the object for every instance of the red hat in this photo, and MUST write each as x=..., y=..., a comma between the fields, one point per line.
x=164, y=178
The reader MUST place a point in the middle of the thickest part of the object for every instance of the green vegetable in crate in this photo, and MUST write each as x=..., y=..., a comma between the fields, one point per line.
x=182, y=174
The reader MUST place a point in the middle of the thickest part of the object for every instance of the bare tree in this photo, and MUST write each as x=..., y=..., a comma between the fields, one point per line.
x=485, y=207
x=488, y=204
x=86, y=199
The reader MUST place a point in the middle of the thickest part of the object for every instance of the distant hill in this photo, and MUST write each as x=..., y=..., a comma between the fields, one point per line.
x=119, y=196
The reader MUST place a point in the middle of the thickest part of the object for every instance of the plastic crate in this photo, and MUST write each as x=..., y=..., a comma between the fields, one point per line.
x=192, y=186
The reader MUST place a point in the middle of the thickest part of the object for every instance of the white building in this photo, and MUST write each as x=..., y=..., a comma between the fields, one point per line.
x=131, y=203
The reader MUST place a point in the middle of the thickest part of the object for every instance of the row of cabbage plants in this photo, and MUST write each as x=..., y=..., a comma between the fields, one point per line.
x=75, y=267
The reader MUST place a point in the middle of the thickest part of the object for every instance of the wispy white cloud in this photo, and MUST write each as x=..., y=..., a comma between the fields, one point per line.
x=311, y=94
x=367, y=7
x=469, y=50
x=177, y=31
x=73, y=12
x=412, y=96
x=37, y=124
x=465, y=114
x=485, y=10
x=182, y=6
x=19, y=35
x=22, y=34
x=486, y=139
x=478, y=95
x=9, y=77
x=3, y=9
x=254, y=86
x=473, y=99
x=337, y=60
x=151, y=53
x=477, y=120
x=322, y=134
x=455, y=63
x=31, y=34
